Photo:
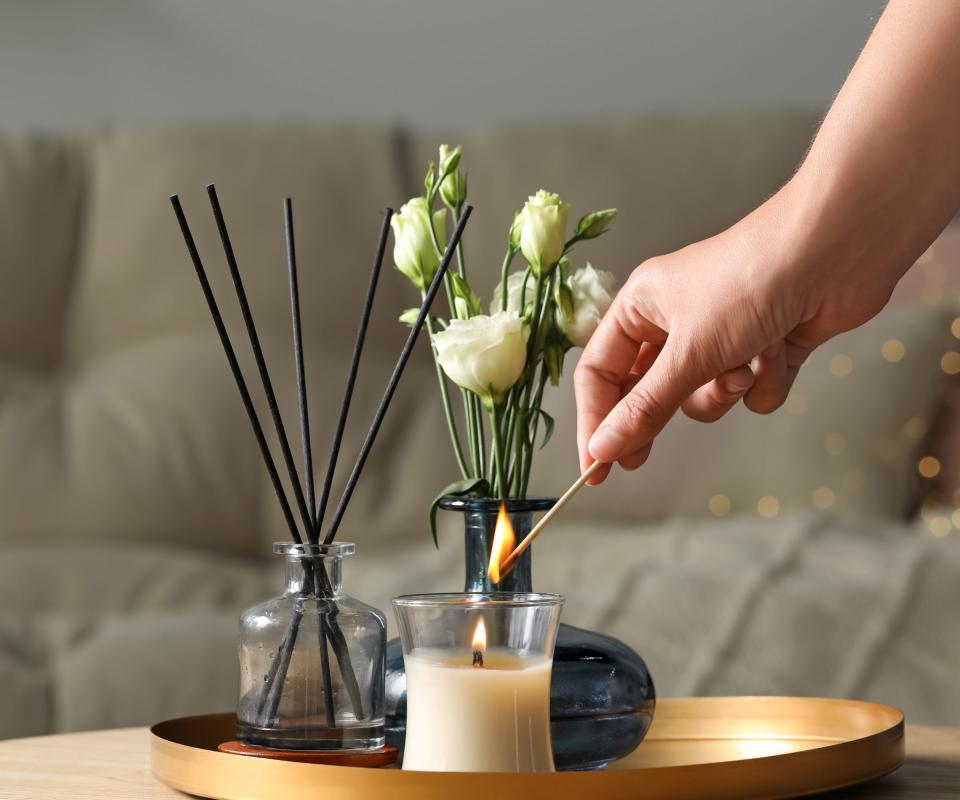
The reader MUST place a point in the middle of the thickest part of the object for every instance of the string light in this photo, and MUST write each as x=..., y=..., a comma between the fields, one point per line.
x=940, y=526
x=950, y=363
x=914, y=429
x=768, y=506
x=823, y=497
x=893, y=350
x=835, y=444
x=719, y=505
x=928, y=467
x=841, y=365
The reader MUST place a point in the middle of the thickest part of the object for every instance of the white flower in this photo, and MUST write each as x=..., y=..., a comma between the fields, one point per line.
x=413, y=250
x=514, y=291
x=543, y=227
x=485, y=355
x=592, y=291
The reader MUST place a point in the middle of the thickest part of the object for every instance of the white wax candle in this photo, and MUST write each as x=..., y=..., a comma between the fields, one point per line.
x=462, y=718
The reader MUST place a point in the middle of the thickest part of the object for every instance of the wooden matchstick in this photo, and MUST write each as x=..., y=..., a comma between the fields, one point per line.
x=507, y=564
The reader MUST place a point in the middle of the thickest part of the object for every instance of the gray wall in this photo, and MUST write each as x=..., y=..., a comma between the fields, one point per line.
x=82, y=62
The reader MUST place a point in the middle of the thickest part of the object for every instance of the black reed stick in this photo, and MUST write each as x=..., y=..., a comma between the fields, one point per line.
x=397, y=373
x=235, y=368
x=337, y=637
x=352, y=375
x=260, y=360
x=298, y=361
x=295, y=321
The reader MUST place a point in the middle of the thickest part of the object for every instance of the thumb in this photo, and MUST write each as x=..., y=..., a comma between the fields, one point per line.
x=643, y=412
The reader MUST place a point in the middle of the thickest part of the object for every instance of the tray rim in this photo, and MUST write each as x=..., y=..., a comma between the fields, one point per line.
x=842, y=762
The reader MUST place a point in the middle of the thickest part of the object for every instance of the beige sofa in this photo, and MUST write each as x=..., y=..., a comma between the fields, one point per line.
x=136, y=518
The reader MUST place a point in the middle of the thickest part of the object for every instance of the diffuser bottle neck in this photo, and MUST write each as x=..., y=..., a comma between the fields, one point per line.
x=321, y=576
x=314, y=569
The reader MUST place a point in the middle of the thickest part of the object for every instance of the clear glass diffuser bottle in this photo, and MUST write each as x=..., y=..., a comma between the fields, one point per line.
x=312, y=660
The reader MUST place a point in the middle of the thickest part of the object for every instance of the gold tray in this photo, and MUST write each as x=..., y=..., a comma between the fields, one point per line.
x=749, y=748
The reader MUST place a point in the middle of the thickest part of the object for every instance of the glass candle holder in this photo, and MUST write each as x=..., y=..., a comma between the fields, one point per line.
x=478, y=669
x=312, y=660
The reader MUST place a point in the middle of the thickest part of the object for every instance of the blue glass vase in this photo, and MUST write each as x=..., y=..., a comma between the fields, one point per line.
x=602, y=697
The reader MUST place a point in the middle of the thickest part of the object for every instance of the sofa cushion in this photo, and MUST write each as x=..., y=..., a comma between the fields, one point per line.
x=849, y=441
x=43, y=180
x=805, y=604
x=136, y=281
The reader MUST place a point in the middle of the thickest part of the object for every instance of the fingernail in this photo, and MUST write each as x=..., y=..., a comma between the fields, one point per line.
x=607, y=443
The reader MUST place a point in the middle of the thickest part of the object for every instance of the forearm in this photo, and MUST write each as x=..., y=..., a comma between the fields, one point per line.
x=882, y=177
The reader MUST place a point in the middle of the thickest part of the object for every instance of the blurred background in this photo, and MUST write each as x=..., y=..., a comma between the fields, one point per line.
x=426, y=63
x=814, y=551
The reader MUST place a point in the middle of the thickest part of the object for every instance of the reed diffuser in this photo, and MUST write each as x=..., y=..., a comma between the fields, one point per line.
x=312, y=659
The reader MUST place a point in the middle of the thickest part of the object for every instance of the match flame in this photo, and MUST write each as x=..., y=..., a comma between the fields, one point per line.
x=480, y=637
x=504, y=540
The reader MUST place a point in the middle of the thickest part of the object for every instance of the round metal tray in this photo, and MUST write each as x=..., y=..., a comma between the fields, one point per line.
x=719, y=748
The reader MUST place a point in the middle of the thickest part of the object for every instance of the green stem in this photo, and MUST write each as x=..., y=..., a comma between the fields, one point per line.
x=481, y=436
x=535, y=424
x=469, y=410
x=501, y=481
x=447, y=410
x=504, y=297
x=522, y=411
x=460, y=264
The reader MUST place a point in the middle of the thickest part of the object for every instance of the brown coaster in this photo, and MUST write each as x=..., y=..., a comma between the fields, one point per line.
x=383, y=757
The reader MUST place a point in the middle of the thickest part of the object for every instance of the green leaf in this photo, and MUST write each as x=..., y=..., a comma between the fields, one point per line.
x=563, y=297
x=592, y=225
x=548, y=426
x=473, y=487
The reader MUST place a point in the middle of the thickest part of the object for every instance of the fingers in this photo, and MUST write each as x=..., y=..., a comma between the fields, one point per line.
x=637, y=418
x=713, y=400
x=637, y=459
x=614, y=356
x=771, y=382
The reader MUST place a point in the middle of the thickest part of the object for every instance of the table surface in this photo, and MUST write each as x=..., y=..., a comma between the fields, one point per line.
x=103, y=765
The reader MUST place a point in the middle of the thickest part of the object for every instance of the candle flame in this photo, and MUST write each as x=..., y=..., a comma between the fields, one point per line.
x=480, y=636
x=504, y=540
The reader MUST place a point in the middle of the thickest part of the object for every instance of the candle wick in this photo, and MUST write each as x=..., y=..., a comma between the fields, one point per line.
x=478, y=658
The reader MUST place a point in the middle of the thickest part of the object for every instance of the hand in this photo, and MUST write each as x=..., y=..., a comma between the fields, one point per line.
x=729, y=318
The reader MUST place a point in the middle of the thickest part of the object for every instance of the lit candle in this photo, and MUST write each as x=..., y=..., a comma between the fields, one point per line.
x=478, y=680
x=477, y=710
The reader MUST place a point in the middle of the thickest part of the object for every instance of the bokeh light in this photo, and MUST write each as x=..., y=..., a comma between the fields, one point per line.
x=823, y=497
x=841, y=365
x=835, y=444
x=768, y=506
x=950, y=363
x=893, y=350
x=719, y=505
x=928, y=467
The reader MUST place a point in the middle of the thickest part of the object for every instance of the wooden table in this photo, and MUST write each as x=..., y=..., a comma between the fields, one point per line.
x=109, y=765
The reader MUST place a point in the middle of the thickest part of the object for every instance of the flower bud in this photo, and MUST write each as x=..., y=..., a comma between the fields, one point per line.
x=414, y=252
x=543, y=231
x=485, y=355
x=592, y=295
x=453, y=186
x=513, y=237
x=592, y=225
x=449, y=158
